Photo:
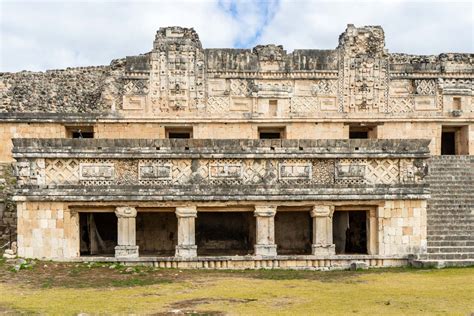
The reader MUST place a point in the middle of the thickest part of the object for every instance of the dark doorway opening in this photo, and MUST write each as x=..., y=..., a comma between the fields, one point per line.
x=358, y=134
x=448, y=143
x=350, y=232
x=271, y=132
x=225, y=233
x=157, y=233
x=98, y=233
x=179, y=132
x=364, y=131
x=80, y=131
x=293, y=232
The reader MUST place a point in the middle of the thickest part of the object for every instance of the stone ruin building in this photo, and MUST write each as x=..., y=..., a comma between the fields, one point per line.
x=243, y=158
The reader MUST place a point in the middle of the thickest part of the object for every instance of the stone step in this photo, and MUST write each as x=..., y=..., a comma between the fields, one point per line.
x=450, y=225
x=448, y=256
x=451, y=249
x=448, y=213
x=451, y=232
x=439, y=237
x=444, y=243
x=442, y=263
x=456, y=216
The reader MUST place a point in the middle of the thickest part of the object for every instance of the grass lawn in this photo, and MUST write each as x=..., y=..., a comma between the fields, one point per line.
x=70, y=288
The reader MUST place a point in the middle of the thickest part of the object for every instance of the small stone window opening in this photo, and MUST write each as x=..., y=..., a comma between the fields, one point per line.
x=80, y=131
x=179, y=132
x=362, y=132
x=271, y=132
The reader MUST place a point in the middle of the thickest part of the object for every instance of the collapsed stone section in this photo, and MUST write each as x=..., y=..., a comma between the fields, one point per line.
x=72, y=90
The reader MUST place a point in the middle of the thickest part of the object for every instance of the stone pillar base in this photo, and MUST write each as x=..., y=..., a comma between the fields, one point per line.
x=186, y=251
x=265, y=250
x=126, y=251
x=323, y=250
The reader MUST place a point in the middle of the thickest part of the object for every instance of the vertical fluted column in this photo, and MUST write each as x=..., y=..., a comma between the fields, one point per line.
x=126, y=232
x=322, y=230
x=265, y=217
x=186, y=247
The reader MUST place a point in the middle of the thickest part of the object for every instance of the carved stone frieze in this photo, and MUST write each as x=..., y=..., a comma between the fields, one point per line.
x=96, y=171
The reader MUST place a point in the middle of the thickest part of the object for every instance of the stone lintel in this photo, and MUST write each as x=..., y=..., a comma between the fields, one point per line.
x=322, y=211
x=125, y=211
x=265, y=210
x=186, y=211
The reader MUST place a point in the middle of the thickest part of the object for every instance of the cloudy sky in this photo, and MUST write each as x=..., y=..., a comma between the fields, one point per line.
x=40, y=35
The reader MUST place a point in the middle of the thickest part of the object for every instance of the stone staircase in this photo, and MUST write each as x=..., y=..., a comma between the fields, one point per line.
x=450, y=212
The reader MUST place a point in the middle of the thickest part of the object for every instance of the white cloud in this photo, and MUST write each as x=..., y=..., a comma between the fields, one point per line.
x=39, y=35
x=418, y=27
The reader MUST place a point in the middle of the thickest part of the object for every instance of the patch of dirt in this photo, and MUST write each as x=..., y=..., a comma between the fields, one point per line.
x=187, y=307
x=199, y=301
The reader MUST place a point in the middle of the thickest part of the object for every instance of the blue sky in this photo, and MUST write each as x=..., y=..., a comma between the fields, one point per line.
x=39, y=35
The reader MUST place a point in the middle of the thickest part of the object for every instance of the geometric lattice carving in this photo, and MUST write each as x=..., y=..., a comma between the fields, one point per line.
x=62, y=171
x=255, y=171
x=240, y=88
x=383, y=171
x=304, y=104
x=218, y=104
x=401, y=105
x=425, y=87
x=324, y=87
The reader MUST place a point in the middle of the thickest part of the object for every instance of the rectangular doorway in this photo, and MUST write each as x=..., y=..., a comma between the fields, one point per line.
x=455, y=140
x=98, y=234
x=350, y=232
x=448, y=143
x=293, y=232
x=157, y=233
x=225, y=233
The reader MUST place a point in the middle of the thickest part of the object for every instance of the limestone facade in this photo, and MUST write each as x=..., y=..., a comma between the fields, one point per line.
x=230, y=191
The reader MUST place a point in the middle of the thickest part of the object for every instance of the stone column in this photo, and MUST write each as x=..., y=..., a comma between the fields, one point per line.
x=322, y=230
x=126, y=243
x=372, y=232
x=265, y=245
x=186, y=247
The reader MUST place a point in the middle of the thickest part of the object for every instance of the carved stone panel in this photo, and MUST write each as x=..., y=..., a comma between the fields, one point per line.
x=350, y=173
x=218, y=171
x=295, y=171
x=96, y=171
x=177, y=77
x=155, y=171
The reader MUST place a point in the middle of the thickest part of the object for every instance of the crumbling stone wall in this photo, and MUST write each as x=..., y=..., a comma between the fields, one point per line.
x=7, y=206
x=71, y=90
